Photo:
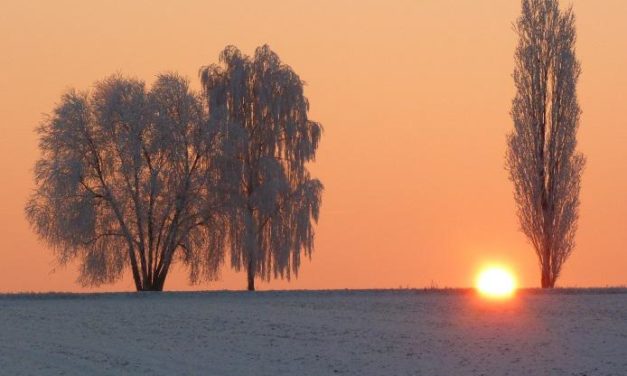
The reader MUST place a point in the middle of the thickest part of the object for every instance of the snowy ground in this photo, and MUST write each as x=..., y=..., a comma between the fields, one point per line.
x=315, y=333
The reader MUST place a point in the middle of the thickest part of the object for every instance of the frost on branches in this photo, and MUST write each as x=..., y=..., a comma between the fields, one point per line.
x=542, y=159
x=260, y=106
x=131, y=177
x=127, y=176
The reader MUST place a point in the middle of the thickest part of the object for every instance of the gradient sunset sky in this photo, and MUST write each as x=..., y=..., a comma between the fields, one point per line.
x=414, y=97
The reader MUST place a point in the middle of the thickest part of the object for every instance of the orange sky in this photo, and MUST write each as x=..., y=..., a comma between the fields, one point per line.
x=414, y=97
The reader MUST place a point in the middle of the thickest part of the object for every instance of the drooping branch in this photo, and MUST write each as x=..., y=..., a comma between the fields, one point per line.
x=260, y=105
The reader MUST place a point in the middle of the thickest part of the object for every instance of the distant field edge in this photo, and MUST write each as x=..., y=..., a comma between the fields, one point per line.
x=329, y=292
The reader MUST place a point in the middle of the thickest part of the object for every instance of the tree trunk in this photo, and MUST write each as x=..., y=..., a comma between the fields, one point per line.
x=159, y=282
x=548, y=281
x=251, y=276
x=155, y=284
x=154, y=287
x=545, y=279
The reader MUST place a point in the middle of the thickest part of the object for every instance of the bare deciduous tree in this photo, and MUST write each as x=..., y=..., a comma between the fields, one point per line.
x=542, y=159
x=126, y=177
x=260, y=101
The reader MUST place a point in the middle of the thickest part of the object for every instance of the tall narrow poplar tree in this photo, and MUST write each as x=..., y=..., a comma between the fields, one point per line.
x=541, y=158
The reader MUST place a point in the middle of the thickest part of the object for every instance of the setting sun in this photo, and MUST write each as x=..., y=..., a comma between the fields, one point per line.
x=496, y=282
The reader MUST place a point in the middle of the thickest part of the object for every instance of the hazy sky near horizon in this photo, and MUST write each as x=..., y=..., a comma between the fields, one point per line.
x=414, y=96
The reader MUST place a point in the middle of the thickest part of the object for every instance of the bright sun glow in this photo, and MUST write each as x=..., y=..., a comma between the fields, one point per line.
x=496, y=282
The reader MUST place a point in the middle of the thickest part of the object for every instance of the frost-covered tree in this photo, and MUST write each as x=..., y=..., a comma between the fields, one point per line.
x=542, y=159
x=260, y=104
x=127, y=178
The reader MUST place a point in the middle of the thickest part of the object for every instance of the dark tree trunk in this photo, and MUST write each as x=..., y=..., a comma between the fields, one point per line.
x=154, y=287
x=251, y=276
x=545, y=279
x=155, y=284
x=159, y=280
x=548, y=281
x=158, y=284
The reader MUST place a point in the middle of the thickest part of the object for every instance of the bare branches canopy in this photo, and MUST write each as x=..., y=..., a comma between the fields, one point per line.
x=131, y=177
x=259, y=103
x=542, y=159
x=127, y=176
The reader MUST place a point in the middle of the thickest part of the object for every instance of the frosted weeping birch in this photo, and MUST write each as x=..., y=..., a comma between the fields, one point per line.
x=275, y=202
x=542, y=159
x=126, y=179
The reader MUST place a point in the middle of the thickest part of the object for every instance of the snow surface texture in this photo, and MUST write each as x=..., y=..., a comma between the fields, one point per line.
x=314, y=333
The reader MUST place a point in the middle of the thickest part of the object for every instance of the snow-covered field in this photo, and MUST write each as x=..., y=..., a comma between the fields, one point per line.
x=315, y=333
